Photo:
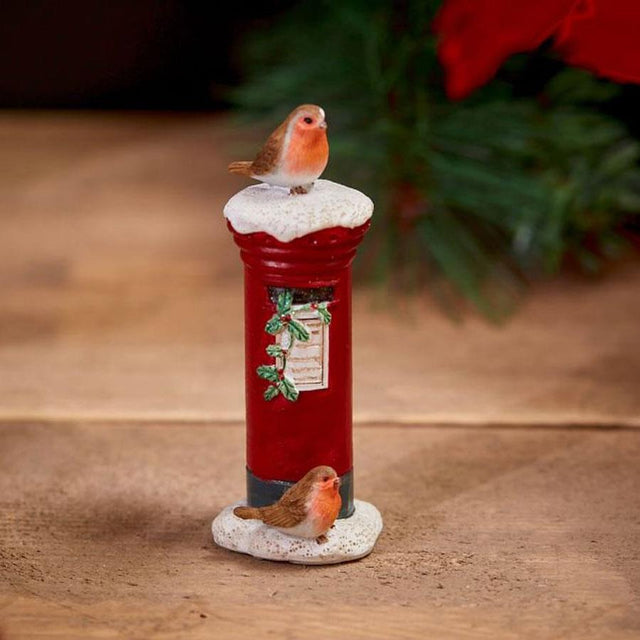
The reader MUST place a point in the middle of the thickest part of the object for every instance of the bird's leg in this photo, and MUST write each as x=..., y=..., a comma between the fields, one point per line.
x=322, y=539
x=300, y=189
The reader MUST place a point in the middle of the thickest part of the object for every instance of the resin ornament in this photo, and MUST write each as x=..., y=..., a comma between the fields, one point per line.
x=294, y=155
x=306, y=510
x=297, y=252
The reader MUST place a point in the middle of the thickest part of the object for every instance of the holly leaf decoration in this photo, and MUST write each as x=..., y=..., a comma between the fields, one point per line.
x=268, y=372
x=274, y=350
x=271, y=392
x=298, y=330
x=324, y=313
x=288, y=389
x=280, y=321
x=285, y=298
x=274, y=325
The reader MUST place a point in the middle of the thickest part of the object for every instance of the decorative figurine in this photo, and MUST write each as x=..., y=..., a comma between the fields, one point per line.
x=308, y=509
x=294, y=155
x=297, y=254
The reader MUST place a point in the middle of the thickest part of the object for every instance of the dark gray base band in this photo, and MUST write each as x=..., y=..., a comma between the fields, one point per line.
x=261, y=493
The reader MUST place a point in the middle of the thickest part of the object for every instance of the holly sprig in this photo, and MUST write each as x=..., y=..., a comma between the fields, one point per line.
x=283, y=320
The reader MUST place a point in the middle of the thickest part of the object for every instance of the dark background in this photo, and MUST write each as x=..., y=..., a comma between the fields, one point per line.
x=156, y=54
x=140, y=54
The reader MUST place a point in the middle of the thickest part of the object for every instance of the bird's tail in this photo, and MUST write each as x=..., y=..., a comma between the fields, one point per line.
x=243, y=167
x=248, y=513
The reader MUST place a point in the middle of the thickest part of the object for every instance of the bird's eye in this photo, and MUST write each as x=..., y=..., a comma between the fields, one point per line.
x=308, y=120
x=326, y=479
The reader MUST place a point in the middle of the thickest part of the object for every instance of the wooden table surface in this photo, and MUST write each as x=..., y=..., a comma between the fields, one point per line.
x=504, y=460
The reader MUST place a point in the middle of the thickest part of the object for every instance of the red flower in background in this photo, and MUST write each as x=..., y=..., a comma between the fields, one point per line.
x=476, y=36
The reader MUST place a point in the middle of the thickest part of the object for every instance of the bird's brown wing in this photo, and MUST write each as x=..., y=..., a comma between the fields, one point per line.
x=291, y=509
x=269, y=156
x=278, y=515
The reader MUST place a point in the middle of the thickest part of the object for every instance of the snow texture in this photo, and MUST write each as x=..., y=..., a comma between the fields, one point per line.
x=350, y=539
x=286, y=217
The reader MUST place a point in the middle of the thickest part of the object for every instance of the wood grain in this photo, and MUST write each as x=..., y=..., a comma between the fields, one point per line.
x=489, y=533
x=120, y=297
x=121, y=346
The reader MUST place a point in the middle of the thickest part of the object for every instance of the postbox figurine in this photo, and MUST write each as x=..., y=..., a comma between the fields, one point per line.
x=298, y=236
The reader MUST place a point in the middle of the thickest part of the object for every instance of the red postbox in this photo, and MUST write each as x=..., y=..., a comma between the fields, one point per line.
x=298, y=358
x=297, y=252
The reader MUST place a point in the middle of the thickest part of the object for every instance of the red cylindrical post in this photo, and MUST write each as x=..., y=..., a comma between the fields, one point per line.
x=298, y=358
x=297, y=251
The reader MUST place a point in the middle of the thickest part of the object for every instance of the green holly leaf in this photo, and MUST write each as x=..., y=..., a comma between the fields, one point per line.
x=288, y=389
x=298, y=330
x=268, y=372
x=274, y=325
x=271, y=392
x=325, y=314
x=285, y=298
x=274, y=350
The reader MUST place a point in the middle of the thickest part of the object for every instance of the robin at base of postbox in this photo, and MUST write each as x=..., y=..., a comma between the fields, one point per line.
x=308, y=509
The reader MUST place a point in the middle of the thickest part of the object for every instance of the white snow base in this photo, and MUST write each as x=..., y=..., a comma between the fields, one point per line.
x=286, y=217
x=350, y=539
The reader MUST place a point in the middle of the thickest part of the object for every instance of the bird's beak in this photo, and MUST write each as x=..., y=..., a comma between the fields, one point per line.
x=323, y=124
x=336, y=483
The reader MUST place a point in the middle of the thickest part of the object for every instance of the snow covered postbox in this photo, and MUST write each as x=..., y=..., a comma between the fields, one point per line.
x=297, y=252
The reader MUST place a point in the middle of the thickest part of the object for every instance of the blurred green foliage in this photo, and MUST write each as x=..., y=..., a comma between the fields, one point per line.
x=473, y=197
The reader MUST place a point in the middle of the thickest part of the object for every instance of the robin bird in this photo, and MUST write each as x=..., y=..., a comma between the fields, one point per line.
x=294, y=155
x=308, y=509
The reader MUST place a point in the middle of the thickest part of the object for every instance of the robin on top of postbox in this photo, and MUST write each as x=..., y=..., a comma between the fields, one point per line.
x=294, y=155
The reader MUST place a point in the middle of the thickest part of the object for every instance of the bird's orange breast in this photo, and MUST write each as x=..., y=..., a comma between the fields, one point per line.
x=307, y=153
x=326, y=507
